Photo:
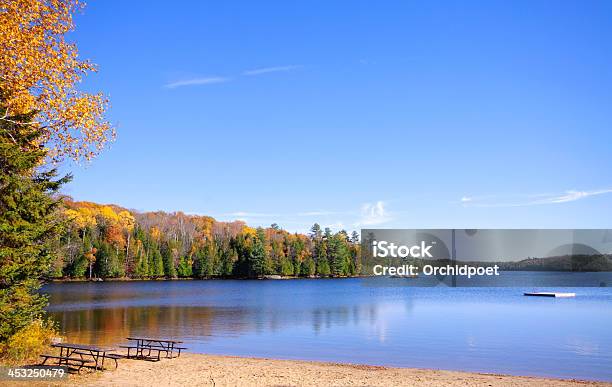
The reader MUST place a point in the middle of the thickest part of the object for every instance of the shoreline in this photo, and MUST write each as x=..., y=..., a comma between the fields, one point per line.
x=275, y=277
x=161, y=279
x=218, y=370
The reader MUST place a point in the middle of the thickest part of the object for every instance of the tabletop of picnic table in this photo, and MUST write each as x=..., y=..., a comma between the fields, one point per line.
x=93, y=348
x=154, y=339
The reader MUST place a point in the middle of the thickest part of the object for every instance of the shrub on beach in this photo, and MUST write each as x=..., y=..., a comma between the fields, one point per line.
x=28, y=343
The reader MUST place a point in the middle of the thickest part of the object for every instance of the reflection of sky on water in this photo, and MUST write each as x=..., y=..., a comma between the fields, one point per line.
x=582, y=347
x=478, y=329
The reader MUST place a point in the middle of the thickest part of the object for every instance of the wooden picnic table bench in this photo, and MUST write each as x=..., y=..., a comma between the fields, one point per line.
x=150, y=354
x=96, y=353
x=148, y=345
x=70, y=362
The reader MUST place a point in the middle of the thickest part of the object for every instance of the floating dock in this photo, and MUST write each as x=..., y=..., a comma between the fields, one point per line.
x=550, y=294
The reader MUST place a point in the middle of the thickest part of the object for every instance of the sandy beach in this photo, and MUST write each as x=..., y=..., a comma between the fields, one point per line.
x=209, y=370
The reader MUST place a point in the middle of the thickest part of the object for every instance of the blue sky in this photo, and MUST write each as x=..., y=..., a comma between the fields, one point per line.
x=355, y=114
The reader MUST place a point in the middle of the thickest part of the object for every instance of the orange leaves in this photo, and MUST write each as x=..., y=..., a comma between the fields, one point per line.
x=39, y=71
x=114, y=235
x=91, y=255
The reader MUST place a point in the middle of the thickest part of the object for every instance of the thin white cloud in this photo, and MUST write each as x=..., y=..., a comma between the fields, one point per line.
x=266, y=70
x=213, y=80
x=373, y=214
x=570, y=196
x=531, y=200
x=196, y=82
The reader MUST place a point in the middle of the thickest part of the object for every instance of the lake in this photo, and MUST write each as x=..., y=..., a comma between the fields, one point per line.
x=357, y=320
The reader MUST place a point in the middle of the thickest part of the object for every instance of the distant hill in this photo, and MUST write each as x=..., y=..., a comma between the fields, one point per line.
x=582, y=262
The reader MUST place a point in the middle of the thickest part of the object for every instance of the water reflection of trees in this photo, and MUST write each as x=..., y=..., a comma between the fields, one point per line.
x=112, y=325
x=106, y=313
x=342, y=316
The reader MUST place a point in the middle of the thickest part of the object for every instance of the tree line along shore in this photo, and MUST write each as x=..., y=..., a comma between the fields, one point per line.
x=107, y=241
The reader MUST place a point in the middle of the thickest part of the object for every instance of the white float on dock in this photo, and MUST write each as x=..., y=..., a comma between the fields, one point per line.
x=550, y=294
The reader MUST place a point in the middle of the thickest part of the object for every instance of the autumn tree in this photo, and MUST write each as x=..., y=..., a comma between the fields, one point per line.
x=39, y=71
x=43, y=116
x=90, y=256
x=127, y=222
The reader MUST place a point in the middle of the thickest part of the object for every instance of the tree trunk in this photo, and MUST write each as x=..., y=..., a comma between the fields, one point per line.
x=127, y=255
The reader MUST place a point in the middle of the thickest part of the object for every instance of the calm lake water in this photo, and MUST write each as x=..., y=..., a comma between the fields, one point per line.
x=353, y=320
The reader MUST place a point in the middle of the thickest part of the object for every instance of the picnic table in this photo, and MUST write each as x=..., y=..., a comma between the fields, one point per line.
x=149, y=345
x=95, y=354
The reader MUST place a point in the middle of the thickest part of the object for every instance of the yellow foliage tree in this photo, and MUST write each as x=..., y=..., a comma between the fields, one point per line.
x=81, y=217
x=250, y=231
x=155, y=234
x=39, y=71
x=91, y=258
x=127, y=222
x=109, y=214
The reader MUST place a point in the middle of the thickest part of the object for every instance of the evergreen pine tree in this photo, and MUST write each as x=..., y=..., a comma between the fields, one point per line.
x=201, y=263
x=184, y=268
x=308, y=267
x=168, y=260
x=157, y=270
x=315, y=232
x=338, y=255
x=323, y=267
x=257, y=256
x=142, y=262
x=28, y=223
